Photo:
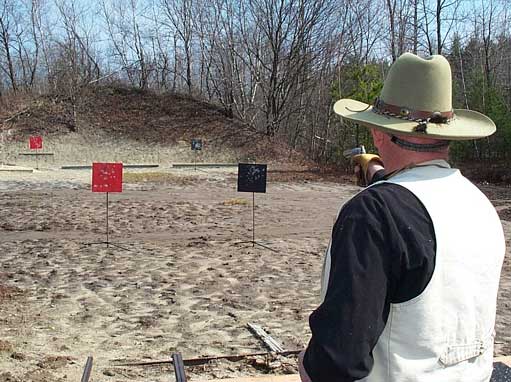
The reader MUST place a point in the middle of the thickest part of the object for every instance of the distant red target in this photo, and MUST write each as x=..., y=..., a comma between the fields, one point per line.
x=35, y=142
x=107, y=177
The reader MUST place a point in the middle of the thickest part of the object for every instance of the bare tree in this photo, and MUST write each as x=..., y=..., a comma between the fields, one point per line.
x=138, y=46
x=487, y=21
x=160, y=44
x=78, y=42
x=415, y=35
x=443, y=15
x=179, y=17
x=117, y=34
x=6, y=29
x=129, y=44
x=35, y=6
x=391, y=9
x=288, y=31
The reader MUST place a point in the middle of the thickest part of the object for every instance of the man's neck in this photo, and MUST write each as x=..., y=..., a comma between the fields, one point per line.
x=392, y=167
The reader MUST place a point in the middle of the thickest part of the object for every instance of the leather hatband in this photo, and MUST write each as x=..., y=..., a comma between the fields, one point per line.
x=402, y=112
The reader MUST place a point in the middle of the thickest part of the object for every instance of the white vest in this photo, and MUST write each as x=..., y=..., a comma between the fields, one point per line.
x=446, y=333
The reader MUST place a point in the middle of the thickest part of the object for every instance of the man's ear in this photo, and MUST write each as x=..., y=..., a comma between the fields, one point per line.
x=378, y=137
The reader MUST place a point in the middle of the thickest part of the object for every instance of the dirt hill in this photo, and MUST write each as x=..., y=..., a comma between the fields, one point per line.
x=142, y=116
x=121, y=120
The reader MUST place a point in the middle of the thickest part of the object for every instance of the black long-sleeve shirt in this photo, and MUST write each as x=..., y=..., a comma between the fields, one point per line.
x=382, y=252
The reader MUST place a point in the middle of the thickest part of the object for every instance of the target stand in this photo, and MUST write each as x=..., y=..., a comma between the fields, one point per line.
x=196, y=147
x=106, y=178
x=36, y=143
x=252, y=178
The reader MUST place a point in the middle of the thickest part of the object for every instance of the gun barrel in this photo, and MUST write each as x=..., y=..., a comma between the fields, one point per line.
x=355, y=151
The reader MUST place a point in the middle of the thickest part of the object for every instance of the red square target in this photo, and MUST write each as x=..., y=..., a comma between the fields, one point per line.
x=35, y=142
x=107, y=177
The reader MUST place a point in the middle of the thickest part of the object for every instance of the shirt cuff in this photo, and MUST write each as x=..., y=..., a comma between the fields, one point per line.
x=378, y=175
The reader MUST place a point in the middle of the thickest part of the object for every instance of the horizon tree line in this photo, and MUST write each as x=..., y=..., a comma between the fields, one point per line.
x=277, y=65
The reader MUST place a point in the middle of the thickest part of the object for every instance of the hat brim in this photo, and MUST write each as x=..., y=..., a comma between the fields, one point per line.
x=466, y=124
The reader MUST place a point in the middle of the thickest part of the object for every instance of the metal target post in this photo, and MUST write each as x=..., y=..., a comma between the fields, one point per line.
x=107, y=177
x=179, y=367
x=107, y=241
x=87, y=370
x=253, y=219
x=252, y=178
x=253, y=224
x=254, y=242
x=36, y=143
x=196, y=146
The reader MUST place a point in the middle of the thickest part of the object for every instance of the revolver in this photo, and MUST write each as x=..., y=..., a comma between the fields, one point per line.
x=350, y=153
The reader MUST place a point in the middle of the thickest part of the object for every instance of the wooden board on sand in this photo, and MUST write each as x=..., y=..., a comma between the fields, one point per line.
x=265, y=378
x=296, y=377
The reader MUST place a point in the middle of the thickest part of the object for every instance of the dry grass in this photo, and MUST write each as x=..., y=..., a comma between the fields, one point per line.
x=5, y=346
x=55, y=362
x=505, y=214
x=158, y=178
x=8, y=292
x=235, y=202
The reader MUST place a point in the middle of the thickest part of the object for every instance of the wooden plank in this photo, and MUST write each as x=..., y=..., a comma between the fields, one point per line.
x=506, y=360
x=207, y=359
x=265, y=378
x=37, y=154
x=296, y=378
x=88, y=167
x=15, y=169
x=184, y=165
x=272, y=344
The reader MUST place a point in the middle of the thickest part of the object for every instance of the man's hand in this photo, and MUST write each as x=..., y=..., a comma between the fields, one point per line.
x=365, y=167
x=301, y=369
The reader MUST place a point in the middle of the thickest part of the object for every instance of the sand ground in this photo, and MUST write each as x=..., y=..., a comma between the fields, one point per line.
x=182, y=280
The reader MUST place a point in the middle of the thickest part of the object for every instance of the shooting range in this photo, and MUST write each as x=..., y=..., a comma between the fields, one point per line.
x=121, y=257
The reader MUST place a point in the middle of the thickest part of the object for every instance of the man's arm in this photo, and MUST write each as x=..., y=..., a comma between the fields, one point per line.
x=301, y=369
x=347, y=325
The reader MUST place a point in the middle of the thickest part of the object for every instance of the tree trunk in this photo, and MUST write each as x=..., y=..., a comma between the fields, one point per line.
x=7, y=48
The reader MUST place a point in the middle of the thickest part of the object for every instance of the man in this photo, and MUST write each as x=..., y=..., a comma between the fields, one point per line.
x=410, y=278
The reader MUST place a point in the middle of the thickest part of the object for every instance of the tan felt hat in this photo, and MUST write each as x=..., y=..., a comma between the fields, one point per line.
x=416, y=100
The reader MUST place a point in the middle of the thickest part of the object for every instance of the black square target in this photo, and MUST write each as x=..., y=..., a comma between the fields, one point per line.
x=251, y=177
x=196, y=144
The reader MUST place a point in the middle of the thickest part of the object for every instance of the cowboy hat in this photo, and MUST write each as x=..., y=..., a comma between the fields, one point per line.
x=416, y=100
